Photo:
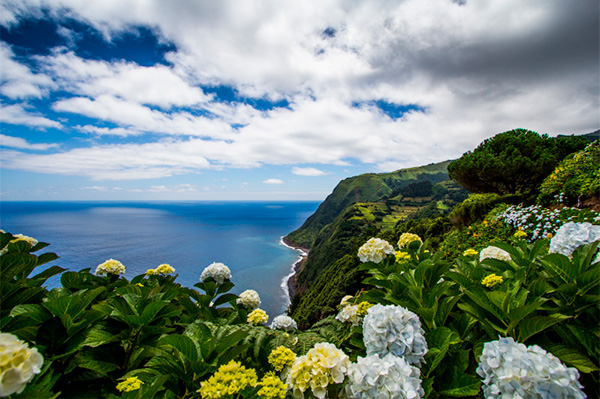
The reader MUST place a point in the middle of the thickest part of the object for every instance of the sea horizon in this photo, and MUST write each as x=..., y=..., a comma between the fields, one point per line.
x=247, y=236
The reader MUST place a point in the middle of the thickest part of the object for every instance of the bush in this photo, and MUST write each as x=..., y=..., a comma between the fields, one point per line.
x=477, y=206
x=513, y=162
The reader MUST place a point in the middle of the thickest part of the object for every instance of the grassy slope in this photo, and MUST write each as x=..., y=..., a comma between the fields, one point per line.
x=370, y=187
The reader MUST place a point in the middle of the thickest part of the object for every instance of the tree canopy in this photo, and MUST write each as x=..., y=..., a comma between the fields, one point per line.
x=513, y=162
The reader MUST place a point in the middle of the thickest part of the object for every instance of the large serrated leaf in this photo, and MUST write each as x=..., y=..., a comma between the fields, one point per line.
x=573, y=358
x=535, y=324
x=183, y=344
x=151, y=310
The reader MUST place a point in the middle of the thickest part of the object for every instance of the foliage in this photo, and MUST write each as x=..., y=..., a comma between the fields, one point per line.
x=513, y=162
x=476, y=207
x=576, y=178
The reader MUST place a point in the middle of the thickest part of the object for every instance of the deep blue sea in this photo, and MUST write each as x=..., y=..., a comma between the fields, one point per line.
x=189, y=236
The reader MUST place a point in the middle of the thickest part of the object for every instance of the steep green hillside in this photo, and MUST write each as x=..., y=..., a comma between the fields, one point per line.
x=370, y=187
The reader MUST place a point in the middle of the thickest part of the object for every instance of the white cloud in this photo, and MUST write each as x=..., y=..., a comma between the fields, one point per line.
x=17, y=142
x=17, y=114
x=17, y=81
x=273, y=181
x=307, y=171
x=477, y=68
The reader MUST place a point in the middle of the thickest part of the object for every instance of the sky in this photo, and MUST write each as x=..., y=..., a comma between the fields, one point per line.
x=275, y=99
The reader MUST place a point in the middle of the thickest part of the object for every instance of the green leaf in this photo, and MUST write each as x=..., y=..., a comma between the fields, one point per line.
x=51, y=271
x=183, y=344
x=573, y=358
x=438, y=342
x=35, y=312
x=151, y=310
x=224, y=299
x=460, y=385
x=535, y=324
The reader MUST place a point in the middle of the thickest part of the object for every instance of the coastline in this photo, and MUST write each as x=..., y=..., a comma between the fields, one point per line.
x=288, y=283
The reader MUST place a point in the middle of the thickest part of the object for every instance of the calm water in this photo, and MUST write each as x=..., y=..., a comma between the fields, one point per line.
x=188, y=236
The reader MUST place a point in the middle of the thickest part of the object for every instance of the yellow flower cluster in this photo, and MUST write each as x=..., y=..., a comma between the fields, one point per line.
x=402, y=257
x=492, y=280
x=230, y=379
x=163, y=269
x=130, y=384
x=324, y=364
x=257, y=317
x=520, y=233
x=272, y=387
x=363, y=307
x=407, y=238
x=281, y=357
x=470, y=252
x=111, y=266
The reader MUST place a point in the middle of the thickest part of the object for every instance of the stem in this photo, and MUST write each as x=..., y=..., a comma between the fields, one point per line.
x=129, y=351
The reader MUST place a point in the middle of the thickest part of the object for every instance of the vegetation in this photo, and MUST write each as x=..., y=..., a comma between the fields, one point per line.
x=513, y=162
x=488, y=269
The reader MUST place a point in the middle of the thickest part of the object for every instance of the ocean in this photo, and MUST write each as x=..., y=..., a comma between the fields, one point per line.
x=246, y=236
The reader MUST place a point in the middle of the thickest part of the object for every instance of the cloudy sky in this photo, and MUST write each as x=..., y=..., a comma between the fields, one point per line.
x=272, y=99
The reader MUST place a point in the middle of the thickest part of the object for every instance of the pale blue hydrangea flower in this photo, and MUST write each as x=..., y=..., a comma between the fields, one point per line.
x=388, y=377
x=572, y=235
x=511, y=370
x=394, y=329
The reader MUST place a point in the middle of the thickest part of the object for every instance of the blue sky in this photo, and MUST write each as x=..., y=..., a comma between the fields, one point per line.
x=237, y=100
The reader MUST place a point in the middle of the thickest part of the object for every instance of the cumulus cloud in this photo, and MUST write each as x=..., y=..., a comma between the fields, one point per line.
x=475, y=68
x=307, y=171
x=273, y=181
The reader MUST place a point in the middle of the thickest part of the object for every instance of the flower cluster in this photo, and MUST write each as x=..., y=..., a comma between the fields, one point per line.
x=163, y=269
x=18, y=364
x=281, y=357
x=257, y=317
x=250, y=299
x=572, y=235
x=229, y=379
x=349, y=314
x=272, y=387
x=111, y=266
x=394, y=329
x=130, y=384
x=512, y=370
x=494, y=253
x=217, y=271
x=375, y=250
x=324, y=364
x=388, y=377
x=406, y=238
x=283, y=322
x=470, y=252
x=520, y=233
x=363, y=308
x=539, y=222
x=492, y=280
x=402, y=257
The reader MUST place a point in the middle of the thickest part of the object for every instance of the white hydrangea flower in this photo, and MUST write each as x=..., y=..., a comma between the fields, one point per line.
x=394, y=329
x=494, y=253
x=324, y=364
x=18, y=364
x=512, y=370
x=389, y=377
x=218, y=271
x=249, y=298
x=349, y=314
x=283, y=322
x=572, y=235
x=110, y=266
x=375, y=250
x=20, y=237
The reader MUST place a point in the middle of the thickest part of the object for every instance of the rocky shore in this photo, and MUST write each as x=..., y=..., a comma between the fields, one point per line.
x=291, y=281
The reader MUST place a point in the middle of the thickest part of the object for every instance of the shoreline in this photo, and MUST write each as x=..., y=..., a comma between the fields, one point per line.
x=288, y=282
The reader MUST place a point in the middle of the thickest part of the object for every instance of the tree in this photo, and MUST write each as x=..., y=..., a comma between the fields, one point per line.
x=513, y=162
